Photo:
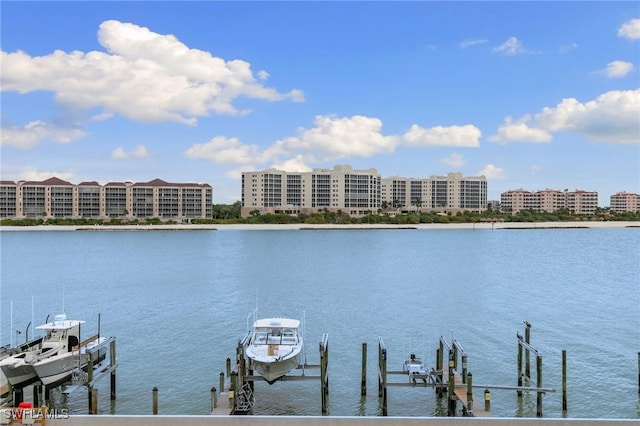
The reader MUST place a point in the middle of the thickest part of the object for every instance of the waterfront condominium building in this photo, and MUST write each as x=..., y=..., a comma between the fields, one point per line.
x=451, y=193
x=625, y=202
x=56, y=198
x=357, y=192
x=549, y=200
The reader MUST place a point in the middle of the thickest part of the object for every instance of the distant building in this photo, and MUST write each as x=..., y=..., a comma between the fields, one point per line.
x=56, y=198
x=625, y=202
x=549, y=200
x=357, y=192
x=451, y=193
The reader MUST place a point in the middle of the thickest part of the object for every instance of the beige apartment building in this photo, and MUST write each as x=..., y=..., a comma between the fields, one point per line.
x=56, y=198
x=357, y=192
x=622, y=202
x=549, y=200
x=451, y=193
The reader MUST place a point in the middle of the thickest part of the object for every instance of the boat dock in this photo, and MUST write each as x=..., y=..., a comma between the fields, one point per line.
x=453, y=380
x=237, y=387
x=101, y=362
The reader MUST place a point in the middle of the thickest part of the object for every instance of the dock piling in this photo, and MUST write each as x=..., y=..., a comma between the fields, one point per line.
x=112, y=360
x=214, y=398
x=155, y=401
x=469, y=393
x=539, y=385
x=564, y=381
x=487, y=400
x=363, y=379
x=451, y=411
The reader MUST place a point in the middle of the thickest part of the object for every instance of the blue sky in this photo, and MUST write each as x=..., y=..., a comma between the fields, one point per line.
x=532, y=95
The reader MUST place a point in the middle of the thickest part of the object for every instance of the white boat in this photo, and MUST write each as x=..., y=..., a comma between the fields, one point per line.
x=415, y=368
x=62, y=333
x=59, y=367
x=275, y=347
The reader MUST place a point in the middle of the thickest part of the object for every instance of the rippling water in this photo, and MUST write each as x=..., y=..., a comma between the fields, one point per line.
x=178, y=301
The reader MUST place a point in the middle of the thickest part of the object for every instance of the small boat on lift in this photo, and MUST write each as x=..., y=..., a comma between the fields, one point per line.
x=59, y=367
x=275, y=347
x=415, y=369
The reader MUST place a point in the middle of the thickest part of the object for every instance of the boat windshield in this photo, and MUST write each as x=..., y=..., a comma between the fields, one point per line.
x=274, y=336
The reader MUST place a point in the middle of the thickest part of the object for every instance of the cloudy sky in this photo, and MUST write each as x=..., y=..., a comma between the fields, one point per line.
x=532, y=95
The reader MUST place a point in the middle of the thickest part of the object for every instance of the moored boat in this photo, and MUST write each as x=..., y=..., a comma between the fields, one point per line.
x=275, y=347
x=18, y=368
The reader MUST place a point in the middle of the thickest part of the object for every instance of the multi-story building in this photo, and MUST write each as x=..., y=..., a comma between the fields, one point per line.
x=625, y=202
x=56, y=198
x=516, y=200
x=357, y=192
x=549, y=200
x=581, y=202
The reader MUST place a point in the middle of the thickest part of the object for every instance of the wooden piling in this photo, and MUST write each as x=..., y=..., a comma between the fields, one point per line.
x=487, y=400
x=363, y=378
x=93, y=394
x=382, y=375
x=539, y=385
x=112, y=360
x=155, y=401
x=221, y=384
x=519, y=364
x=228, y=367
x=564, y=381
x=451, y=396
x=469, y=393
x=638, y=373
x=324, y=373
x=527, y=340
x=464, y=368
x=214, y=398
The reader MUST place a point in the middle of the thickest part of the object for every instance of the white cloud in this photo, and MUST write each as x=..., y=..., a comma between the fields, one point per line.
x=334, y=138
x=462, y=136
x=617, y=69
x=535, y=169
x=568, y=47
x=611, y=117
x=512, y=46
x=140, y=151
x=35, y=132
x=223, y=150
x=295, y=164
x=144, y=76
x=492, y=172
x=454, y=160
x=32, y=174
x=472, y=42
x=519, y=131
x=630, y=29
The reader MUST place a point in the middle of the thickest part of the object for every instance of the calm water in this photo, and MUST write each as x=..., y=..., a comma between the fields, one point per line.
x=178, y=301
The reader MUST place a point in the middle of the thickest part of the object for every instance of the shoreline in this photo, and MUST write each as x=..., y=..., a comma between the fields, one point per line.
x=310, y=227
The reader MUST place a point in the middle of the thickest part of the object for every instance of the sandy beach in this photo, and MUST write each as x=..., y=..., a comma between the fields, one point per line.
x=303, y=226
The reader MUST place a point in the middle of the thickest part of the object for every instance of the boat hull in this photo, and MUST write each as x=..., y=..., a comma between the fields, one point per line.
x=273, y=370
x=19, y=374
x=59, y=368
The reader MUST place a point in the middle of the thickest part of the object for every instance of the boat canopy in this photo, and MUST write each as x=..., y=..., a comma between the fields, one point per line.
x=276, y=323
x=60, y=325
